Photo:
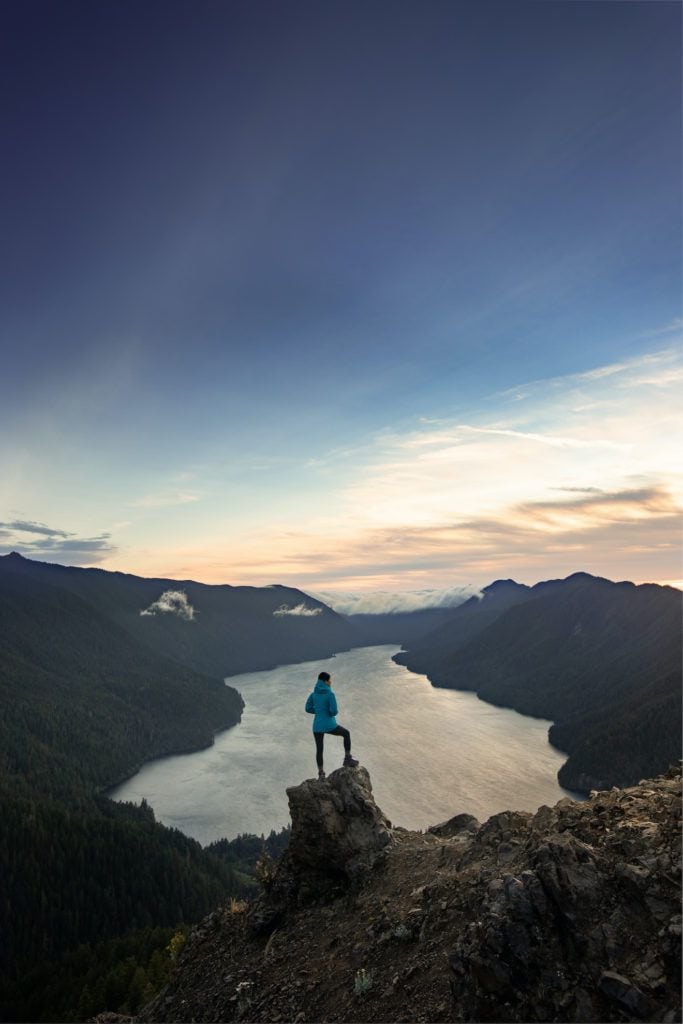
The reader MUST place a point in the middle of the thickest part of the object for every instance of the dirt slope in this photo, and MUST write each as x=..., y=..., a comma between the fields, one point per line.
x=570, y=914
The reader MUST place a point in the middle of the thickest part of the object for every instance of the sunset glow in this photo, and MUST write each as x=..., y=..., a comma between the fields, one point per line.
x=387, y=350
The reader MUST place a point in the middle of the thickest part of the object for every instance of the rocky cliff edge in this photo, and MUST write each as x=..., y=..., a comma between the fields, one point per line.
x=569, y=914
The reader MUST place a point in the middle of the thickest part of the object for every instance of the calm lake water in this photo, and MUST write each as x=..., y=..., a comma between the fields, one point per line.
x=431, y=753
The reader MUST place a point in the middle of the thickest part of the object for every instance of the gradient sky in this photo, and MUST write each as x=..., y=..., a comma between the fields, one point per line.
x=355, y=296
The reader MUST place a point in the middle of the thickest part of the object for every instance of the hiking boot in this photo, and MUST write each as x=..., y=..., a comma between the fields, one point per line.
x=350, y=762
x=321, y=775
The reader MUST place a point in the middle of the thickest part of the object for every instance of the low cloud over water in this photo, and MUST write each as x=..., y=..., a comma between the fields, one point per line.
x=382, y=602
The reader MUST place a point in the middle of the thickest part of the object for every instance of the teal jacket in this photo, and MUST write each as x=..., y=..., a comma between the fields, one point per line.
x=323, y=704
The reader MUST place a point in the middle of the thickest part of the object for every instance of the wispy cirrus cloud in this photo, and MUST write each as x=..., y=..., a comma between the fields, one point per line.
x=674, y=326
x=578, y=472
x=38, y=540
x=575, y=472
x=165, y=499
x=80, y=546
x=657, y=366
x=579, y=490
x=28, y=526
x=629, y=534
x=549, y=439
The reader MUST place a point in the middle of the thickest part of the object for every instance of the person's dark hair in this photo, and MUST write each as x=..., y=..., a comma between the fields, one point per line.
x=325, y=676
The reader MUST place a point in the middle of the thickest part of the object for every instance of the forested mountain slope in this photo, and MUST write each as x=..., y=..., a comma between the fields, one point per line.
x=221, y=630
x=83, y=702
x=89, y=689
x=464, y=622
x=601, y=659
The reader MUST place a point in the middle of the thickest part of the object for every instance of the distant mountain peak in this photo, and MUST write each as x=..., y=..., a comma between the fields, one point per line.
x=500, y=585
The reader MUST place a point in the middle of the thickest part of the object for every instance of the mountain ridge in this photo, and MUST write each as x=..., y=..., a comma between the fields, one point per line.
x=90, y=689
x=233, y=628
x=577, y=651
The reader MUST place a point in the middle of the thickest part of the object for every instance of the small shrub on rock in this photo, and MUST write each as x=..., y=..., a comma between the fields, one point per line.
x=362, y=982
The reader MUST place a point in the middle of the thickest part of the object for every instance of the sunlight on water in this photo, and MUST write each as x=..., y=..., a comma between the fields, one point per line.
x=431, y=753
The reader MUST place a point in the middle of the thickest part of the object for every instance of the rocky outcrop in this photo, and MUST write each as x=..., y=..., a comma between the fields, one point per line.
x=337, y=828
x=454, y=826
x=338, y=835
x=568, y=914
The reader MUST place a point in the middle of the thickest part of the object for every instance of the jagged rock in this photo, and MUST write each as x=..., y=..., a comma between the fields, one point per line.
x=564, y=939
x=337, y=828
x=625, y=995
x=338, y=835
x=454, y=826
x=578, y=921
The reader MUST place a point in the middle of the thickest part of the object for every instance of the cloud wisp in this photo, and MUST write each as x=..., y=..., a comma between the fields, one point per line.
x=631, y=534
x=549, y=439
x=383, y=602
x=37, y=540
x=171, y=602
x=584, y=473
x=298, y=611
x=576, y=472
x=166, y=499
x=28, y=526
x=655, y=365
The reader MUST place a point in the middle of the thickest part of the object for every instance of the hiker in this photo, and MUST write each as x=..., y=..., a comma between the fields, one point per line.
x=323, y=704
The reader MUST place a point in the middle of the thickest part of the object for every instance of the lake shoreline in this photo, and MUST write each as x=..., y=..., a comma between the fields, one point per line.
x=433, y=755
x=127, y=775
x=577, y=793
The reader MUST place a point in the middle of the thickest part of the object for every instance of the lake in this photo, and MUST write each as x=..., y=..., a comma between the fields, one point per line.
x=431, y=753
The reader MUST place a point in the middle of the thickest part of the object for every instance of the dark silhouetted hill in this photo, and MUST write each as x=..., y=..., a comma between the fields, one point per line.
x=601, y=659
x=457, y=625
x=89, y=690
x=233, y=629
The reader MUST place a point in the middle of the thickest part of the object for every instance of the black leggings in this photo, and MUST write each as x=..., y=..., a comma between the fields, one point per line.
x=320, y=736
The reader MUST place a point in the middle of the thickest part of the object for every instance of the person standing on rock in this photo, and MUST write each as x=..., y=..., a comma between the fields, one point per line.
x=323, y=704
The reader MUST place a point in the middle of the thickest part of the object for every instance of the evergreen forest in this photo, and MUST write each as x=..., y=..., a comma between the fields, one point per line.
x=96, y=895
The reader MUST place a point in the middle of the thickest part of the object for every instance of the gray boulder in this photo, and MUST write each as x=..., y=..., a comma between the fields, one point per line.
x=455, y=826
x=338, y=831
x=338, y=836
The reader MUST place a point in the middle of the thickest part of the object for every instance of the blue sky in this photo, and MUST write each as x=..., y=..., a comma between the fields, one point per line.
x=247, y=243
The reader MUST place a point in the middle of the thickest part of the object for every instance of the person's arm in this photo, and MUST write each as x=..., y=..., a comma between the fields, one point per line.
x=310, y=707
x=332, y=703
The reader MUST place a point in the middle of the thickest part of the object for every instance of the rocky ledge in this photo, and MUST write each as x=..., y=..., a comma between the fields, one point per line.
x=569, y=914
